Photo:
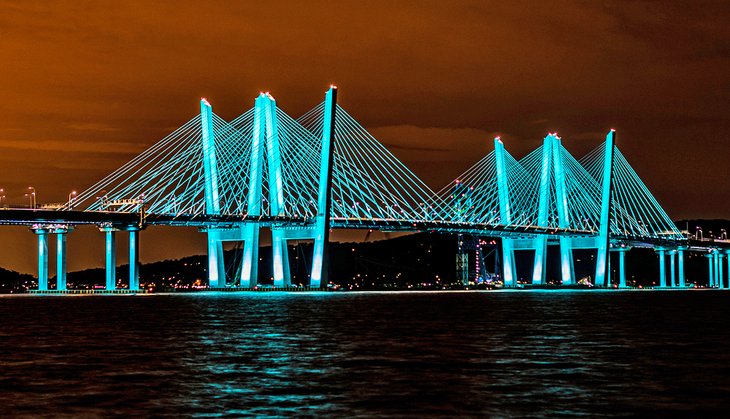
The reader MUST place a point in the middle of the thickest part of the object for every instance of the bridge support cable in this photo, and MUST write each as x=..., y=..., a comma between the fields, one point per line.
x=634, y=212
x=370, y=186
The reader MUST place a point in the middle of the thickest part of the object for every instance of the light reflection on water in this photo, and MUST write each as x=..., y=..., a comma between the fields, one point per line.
x=384, y=354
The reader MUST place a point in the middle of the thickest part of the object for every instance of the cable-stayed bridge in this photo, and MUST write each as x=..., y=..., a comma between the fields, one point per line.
x=302, y=177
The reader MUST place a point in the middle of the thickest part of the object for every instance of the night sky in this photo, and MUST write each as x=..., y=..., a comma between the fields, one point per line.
x=87, y=85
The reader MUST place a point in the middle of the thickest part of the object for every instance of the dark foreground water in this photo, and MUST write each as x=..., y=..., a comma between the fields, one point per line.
x=367, y=354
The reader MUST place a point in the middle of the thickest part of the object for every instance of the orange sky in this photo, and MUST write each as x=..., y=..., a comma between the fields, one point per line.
x=87, y=85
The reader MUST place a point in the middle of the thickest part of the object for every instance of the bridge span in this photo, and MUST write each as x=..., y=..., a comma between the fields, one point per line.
x=303, y=177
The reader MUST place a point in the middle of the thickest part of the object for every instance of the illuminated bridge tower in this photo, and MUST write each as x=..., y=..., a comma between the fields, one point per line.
x=505, y=215
x=603, y=240
x=320, y=231
x=265, y=137
x=552, y=159
x=540, y=243
x=320, y=258
x=216, y=268
x=561, y=193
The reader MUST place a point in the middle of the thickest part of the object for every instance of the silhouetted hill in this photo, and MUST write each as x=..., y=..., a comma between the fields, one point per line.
x=14, y=281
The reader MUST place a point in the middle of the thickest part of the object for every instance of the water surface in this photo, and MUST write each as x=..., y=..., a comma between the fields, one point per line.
x=367, y=354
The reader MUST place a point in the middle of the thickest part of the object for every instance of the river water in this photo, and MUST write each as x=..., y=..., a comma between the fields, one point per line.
x=417, y=354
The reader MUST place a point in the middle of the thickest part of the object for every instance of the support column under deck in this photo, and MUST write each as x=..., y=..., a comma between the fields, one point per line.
x=110, y=258
x=250, y=263
x=680, y=263
x=622, y=268
x=61, y=260
x=42, y=259
x=662, y=268
x=672, y=269
x=133, y=259
x=566, y=261
x=216, y=267
x=718, y=269
x=711, y=269
x=280, y=255
x=509, y=273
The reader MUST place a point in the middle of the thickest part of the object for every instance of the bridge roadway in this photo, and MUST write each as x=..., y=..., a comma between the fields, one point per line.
x=44, y=222
x=35, y=217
